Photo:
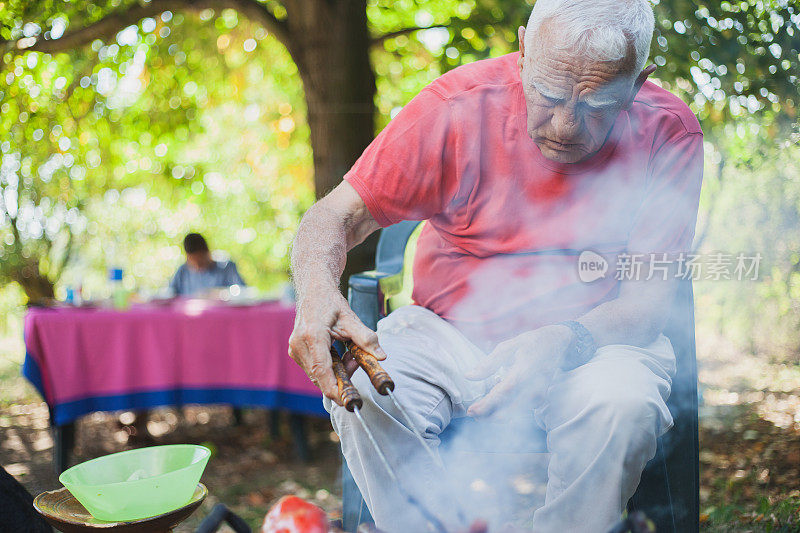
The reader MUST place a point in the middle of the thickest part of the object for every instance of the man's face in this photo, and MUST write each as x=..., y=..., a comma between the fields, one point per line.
x=572, y=101
x=199, y=260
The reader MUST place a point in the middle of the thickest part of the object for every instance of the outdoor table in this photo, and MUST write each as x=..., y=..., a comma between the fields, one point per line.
x=83, y=360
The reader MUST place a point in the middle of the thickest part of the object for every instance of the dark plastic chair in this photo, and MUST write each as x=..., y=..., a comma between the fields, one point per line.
x=220, y=515
x=669, y=489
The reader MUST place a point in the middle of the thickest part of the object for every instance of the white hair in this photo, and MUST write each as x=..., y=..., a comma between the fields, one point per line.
x=602, y=29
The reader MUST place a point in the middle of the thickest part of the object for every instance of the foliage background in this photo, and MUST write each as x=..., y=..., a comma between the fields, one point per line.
x=196, y=121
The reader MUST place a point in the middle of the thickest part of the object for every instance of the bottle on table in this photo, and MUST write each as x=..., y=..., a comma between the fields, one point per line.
x=70, y=299
x=119, y=295
x=74, y=295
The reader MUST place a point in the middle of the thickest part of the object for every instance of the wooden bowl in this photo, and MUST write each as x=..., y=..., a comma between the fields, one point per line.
x=63, y=512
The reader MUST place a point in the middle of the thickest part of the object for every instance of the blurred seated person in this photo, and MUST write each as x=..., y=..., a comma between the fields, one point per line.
x=200, y=272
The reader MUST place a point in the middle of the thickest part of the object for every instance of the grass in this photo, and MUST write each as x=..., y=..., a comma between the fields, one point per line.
x=15, y=389
x=780, y=516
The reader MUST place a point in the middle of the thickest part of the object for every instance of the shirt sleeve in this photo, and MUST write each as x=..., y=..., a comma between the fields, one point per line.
x=665, y=221
x=175, y=282
x=232, y=275
x=409, y=171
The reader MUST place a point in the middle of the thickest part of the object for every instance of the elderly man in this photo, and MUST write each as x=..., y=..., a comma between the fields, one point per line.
x=519, y=163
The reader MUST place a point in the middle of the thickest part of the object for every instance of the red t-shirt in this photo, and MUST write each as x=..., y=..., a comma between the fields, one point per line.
x=506, y=225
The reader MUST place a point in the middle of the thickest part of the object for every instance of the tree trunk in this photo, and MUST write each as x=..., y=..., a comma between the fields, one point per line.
x=331, y=49
x=38, y=288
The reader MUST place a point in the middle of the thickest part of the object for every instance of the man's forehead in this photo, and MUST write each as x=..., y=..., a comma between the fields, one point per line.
x=556, y=66
x=593, y=87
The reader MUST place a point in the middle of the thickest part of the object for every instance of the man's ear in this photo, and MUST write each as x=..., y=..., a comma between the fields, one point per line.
x=521, y=37
x=640, y=79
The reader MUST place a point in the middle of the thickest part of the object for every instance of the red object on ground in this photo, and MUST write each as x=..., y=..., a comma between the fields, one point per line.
x=479, y=526
x=295, y=515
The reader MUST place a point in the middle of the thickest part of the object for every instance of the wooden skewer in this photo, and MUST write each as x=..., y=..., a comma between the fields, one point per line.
x=347, y=391
x=377, y=375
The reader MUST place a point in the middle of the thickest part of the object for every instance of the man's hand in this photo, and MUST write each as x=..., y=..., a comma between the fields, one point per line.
x=321, y=317
x=331, y=227
x=529, y=361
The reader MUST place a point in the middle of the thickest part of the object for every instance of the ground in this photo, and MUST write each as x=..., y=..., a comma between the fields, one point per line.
x=749, y=436
x=749, y=440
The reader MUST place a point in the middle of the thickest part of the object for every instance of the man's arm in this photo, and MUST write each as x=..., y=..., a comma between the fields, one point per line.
x=175, y=284
x=332, y=226
x=232, y=276
x=636, y=317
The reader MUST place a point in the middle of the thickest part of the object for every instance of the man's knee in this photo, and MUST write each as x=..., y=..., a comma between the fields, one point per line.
x=632, y=418
x=628, y=395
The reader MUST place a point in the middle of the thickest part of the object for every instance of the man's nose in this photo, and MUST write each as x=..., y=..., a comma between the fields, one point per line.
x=565, y=122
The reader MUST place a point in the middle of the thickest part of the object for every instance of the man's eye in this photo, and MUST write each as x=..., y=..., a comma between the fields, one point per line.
x=551, y=100
x=594, y=111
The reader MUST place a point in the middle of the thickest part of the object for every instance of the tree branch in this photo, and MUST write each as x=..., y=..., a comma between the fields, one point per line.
x=109, y=25
x=104, y=28
x=258, y=12
x=392, y=34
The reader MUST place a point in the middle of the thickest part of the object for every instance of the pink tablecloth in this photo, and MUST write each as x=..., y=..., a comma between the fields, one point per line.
x=85, y=360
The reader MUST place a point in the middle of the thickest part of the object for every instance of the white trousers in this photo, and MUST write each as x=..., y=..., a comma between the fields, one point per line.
x=602, y=421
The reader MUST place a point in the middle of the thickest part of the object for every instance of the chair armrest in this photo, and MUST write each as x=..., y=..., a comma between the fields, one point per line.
x=219, y=515
x=367, y=293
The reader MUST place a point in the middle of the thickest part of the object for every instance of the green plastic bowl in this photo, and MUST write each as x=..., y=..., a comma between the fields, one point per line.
x=137, y=484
